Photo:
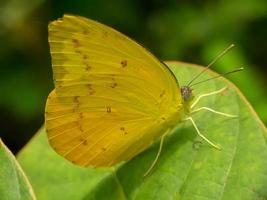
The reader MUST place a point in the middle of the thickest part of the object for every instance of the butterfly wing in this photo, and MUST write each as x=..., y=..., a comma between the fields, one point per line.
x=110, y=93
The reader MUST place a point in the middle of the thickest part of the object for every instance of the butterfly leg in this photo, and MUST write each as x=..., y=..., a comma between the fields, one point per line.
x=213, y=111
x=207, y=94
x=202, y=136
x=158, y=154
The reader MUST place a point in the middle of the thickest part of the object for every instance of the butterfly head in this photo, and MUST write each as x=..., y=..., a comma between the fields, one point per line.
x=187, y=97
x=187, y=93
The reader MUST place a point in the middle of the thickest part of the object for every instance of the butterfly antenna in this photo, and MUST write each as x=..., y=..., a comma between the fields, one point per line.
x=214, y=61
x=220, y=75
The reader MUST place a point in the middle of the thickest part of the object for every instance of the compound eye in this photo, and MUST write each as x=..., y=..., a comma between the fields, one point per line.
x=186, y=93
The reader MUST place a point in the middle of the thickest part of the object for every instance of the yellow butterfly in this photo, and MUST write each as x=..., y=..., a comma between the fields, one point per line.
x=112, y=97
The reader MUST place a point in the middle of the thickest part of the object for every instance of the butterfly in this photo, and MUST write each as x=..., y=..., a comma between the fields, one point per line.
x=112, y=97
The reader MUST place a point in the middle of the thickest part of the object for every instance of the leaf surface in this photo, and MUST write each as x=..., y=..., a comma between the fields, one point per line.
x=188, y=168
x=13, y=182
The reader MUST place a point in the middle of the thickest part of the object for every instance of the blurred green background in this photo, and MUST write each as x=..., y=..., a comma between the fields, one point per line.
x=189, y=31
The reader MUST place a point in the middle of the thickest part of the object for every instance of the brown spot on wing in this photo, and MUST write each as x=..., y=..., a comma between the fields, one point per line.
x=73, y=162
x=78, y=51
x=105, y=34
x=81, y=116
x=91, y=92
x=124, y=63
x=85, y=32
x=162, y=93
x=108, y=109
x=76, y=99
x=91, y=89
x=89, y=86
x=87, y=66
x=114, y=85
x=103, y=149
x=85, y=142
x=76, y=42
x=81, y=128
x=123, y=130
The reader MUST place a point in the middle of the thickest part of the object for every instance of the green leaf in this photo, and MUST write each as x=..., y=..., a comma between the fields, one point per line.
x=188, y=168
x=13, y=183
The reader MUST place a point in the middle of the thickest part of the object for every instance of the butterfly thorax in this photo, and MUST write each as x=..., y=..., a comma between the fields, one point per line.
x=180, y=109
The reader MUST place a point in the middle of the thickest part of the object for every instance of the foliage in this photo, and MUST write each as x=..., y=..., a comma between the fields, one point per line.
x=188, y=168
x=13, y=183
x=192, y=31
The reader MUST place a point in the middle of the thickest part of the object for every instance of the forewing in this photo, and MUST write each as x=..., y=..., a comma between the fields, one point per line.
x=110, y=93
